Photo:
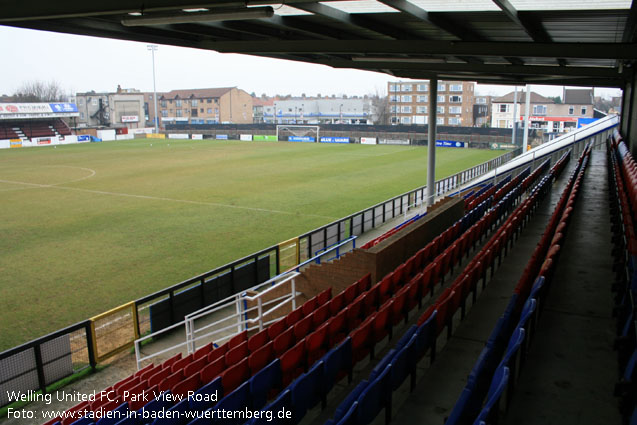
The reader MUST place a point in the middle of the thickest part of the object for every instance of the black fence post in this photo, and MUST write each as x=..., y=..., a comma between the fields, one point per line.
x=92, y=359
x=171, y=304
x=309, y=246
x=278, y=257
x=40, y=368
x=137, y=327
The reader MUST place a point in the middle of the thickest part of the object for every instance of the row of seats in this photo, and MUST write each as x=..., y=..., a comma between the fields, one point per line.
x=7, y=132
x=622, y=182
x=484, y=193
x=366, y=400
x=494, y=373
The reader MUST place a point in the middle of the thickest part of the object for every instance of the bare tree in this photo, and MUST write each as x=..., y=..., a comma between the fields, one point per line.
x=380, y=105
x=41, y=91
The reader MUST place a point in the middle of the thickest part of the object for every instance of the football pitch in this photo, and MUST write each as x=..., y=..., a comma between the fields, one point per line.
x=85, y=228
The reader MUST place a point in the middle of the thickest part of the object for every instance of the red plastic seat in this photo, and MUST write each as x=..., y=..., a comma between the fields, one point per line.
x=413, y=293
x=140, y=398
x=181, y=363
x=212, y=370
x=292, y=363
x=195, y=367
x=316, y=344
x=258, y=340
x=237, y=340
x=181, y=389
x=398, y=309
x=442, y=305
x=293, y=317
x=398, y=276
x=426, y=315
x=370, y=300
x=350, y=293
x=276, y=328
x=125, y=385
x=158, y=377
x=171, y=380
x=261, y=357
x=236, y=354
x=283, y=342
x=362, y=340
x=354, y=312
x=380, y=327
x=309, y=306
x=386, y=288
x=148, y=369
x=427, y=284
x=303, y=327
x=336, y=304
x=234, y=376
x=320, y=315
x=202, y=352
x=323, y=297
x=217, y=353
x=363, y=284
x=337, y=329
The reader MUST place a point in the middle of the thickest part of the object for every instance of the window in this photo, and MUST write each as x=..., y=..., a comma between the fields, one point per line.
x=178, y=112
x=201, y=110
x=80, y=101
x=164, y=113
x=455, y=87
x=394, y=120
x=455, y=99
x=422, y=87
x=393, y=109
x=150, y=97
x=405, y=98
x=406, y=109
x=178, y=103
x=405, y=120
x=440, y=109
x=422, y=99
x=441, y=87
x=571, y=110
x=583, y=112
x=393, y=98
x=502, y=123
x=454, y=121
x=210, y=121
x=503, y=107
x=481, y=100
x=194, y=112
x=209, y=110
x=393, y=87
x=81, y=115
x=163, y=103
x=194, y=102
x=94, y=103
x=421, y=109
x=455, y=109
x=208, y=100
x=406, y=87
x=440, y=121
x=440, y=98
x=539, y=109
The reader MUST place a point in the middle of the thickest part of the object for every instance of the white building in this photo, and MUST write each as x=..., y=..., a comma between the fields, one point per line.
x=319, y=111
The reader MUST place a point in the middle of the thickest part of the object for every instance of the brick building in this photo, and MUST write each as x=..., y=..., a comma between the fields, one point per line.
x=408, y=102
x=201, y=106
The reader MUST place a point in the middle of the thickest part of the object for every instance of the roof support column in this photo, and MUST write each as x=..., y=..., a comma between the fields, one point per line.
x=431, y=142
x=629, y=114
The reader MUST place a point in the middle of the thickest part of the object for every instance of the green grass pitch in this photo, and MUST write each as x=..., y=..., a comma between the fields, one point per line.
x=88, y=227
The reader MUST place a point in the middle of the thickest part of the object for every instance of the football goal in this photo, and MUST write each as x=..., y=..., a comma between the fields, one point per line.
x=297, y=133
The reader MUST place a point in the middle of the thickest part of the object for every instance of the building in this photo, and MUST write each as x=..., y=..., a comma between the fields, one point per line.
x=545, y=114
x=123, y=108
x=261, y=105
x=482, y=111
x=228, y=105
x=324, y=110
x=408, y=102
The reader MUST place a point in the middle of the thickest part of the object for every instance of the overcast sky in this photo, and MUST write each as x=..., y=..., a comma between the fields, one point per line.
x=80, y=64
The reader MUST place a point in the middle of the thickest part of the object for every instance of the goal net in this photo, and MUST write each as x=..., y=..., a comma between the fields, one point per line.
x=297, y=133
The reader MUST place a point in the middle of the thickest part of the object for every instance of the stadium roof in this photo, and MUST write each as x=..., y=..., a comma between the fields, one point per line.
x=570, y=42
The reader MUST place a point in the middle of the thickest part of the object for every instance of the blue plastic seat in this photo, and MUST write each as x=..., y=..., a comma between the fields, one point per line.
x=203, y=397
x=118, y=414
x=350, y=416
x=460, y=412
x=514, y=345
x=527, y=312
x=283, y=401
x=155, y=405
x=382, y=364
x=263, y=381
x=177, y=416
x=426, y=337
x=406, y=337
x=306, y=391
x=492, y=407
x=403, y=364
x=351, y=398
x=337, y=361
x=239, y=399
x=374, y=398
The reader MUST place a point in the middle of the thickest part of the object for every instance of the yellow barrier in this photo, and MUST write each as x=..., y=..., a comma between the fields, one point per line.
x=155, y=136
x=289, y=254
x=114, y=331
x=15, y=143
